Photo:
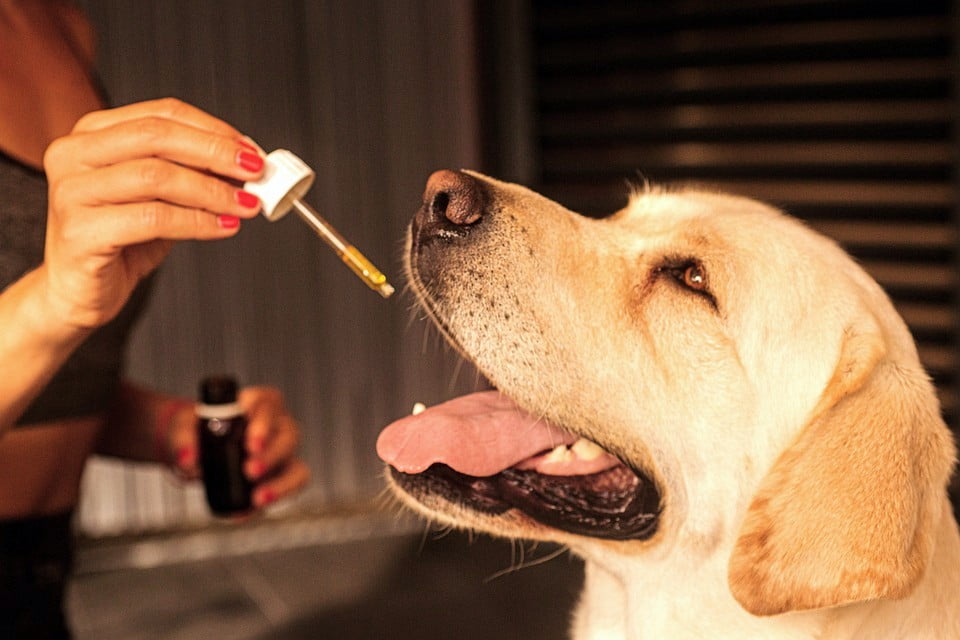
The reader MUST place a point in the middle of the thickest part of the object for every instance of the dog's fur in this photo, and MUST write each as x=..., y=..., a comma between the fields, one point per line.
x=783, y=413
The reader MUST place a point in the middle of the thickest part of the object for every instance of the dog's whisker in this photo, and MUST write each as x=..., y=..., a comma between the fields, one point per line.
x=385, y=499
x=413, y=316
x=516, y=557
x=478, y=379
x=426, y=338
x=524, y=564
x=457, y=367
x=442, y=532
x=423, y=537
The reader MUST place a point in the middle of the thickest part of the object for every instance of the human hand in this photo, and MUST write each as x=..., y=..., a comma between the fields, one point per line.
x=123, y=186
x=272, y=441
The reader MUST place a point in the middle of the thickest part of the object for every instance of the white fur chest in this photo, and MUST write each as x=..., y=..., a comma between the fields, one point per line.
x=675, y=601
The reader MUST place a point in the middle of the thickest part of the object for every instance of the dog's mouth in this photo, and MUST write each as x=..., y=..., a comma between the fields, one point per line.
x=484, y=452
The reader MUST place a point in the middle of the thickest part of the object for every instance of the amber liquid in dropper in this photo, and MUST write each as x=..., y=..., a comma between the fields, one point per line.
x=357, y=262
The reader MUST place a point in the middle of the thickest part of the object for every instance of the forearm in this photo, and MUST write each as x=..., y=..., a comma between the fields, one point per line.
x=139, y=422
x=33, y=345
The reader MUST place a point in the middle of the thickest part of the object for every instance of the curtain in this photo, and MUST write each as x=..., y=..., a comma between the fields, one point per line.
x=374, y=95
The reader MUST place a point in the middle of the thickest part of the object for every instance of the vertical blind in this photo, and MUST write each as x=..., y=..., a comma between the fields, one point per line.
x=841, y=112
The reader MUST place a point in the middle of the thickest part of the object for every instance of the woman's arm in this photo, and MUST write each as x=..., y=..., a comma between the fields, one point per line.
x=33, y=344
x=140, y=423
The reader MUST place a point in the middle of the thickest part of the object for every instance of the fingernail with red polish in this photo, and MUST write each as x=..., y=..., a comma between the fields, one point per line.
x=267, y=496
x=184, y=456
x=250, y=161
x=247, y=199
x=228, y=222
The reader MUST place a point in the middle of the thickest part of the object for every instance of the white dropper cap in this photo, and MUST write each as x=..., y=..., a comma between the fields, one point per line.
x=286, y=178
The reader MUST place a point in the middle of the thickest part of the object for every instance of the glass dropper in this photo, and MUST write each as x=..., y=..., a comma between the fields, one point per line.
x=357, y=262
x=286, y=180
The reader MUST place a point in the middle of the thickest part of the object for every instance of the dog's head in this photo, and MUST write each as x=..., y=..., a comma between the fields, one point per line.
x=696, y=374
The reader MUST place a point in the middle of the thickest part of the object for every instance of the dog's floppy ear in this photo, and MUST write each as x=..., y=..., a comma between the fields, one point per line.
x=847, y=512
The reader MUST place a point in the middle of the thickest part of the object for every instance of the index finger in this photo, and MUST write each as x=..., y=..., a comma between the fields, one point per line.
x=154, y=136
x=169, y=108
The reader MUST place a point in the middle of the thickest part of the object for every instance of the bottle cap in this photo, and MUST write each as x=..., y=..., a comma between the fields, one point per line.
x=218, y=390
x=285, y=178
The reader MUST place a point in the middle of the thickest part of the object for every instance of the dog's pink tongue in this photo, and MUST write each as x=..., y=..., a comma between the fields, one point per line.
x=480, y=434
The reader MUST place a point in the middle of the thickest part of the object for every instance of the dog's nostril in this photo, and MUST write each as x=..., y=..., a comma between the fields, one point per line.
x=453, y=197
x=439, y=205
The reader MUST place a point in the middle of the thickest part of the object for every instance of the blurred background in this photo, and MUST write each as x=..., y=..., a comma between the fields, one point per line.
x=842, y=112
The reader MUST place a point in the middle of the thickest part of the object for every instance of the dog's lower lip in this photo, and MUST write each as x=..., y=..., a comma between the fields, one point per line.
x=616, y=504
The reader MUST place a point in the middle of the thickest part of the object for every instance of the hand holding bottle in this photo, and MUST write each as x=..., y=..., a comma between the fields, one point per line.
x=271, y=441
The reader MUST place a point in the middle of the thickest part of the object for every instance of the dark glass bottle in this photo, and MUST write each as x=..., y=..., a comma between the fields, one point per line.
x=222, y=428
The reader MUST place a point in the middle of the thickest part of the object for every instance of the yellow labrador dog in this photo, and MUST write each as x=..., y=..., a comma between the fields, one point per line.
x=710, y=403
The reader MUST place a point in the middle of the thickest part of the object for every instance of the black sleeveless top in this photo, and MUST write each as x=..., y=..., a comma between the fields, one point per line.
x=88, y=381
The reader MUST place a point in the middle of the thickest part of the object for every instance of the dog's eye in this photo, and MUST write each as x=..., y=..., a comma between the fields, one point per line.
x=694, y=277
x=691, y=275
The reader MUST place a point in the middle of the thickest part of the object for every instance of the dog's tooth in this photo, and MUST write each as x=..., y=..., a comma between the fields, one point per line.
x=586, y=450
x=418, y=408
x=559, y=454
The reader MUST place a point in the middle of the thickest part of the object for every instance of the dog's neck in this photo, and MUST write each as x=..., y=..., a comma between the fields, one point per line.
x=642, y=597
x=635, y=599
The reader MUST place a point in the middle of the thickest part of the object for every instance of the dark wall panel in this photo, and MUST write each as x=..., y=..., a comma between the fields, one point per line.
x=842, y=112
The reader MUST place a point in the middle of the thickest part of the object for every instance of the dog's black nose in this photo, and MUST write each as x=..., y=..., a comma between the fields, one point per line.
x=453, y=196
